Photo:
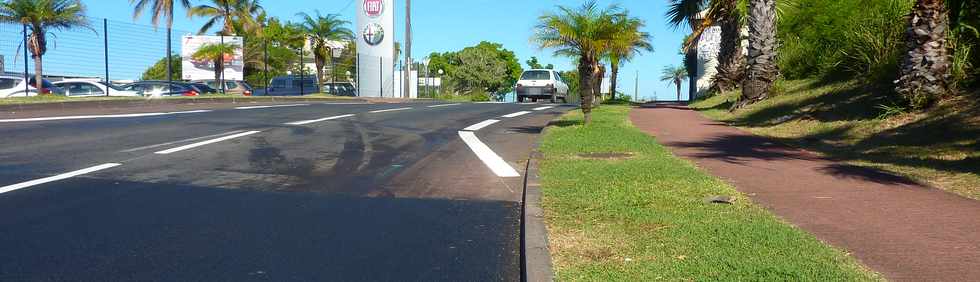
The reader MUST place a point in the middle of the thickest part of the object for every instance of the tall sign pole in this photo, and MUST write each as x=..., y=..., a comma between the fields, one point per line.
x=375, y=42
x=408, y=49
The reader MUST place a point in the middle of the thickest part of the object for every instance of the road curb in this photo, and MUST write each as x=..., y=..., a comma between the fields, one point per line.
x=535, y=256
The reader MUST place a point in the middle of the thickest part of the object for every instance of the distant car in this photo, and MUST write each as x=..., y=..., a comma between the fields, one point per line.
x=234, y=87
x=89, y=88
x=541, y=84
x=340, y=89
x=15, y=86
x=291, y=85
x=161, y=88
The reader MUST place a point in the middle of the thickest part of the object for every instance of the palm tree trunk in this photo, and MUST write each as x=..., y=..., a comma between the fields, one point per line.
x=691, y=64
x=730, y=59
x=585, y=72
x=678, y=83
x=762, y=70
x=925, y=70
x=318, y=62
x=598, y=75
x=37, y=74
x=217, y=72
x=614, y=67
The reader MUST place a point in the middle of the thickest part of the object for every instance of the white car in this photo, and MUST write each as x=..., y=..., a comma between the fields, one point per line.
x=14, y=86
x=89, y=88
x=541, y=84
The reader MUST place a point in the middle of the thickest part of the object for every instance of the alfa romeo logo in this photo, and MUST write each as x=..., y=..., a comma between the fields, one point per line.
x=373, y=34
x=374, y=8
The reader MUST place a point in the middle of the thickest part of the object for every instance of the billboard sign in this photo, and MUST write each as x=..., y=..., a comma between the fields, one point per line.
x=194, y=69
x=376, y=48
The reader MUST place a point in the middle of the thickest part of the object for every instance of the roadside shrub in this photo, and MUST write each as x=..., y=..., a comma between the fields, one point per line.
x=479, y=96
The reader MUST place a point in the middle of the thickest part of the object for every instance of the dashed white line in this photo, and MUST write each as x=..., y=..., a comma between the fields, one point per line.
x=101, y=116
x=543, y=108
x=493, y=161
x=304, y=122
x=444, y=105
x=202, y=143
x=178, y=142
x=481, y=125
x=389, y=110
x=517, y=114
x=62, y=176
x=494, y=102
x=271, y=106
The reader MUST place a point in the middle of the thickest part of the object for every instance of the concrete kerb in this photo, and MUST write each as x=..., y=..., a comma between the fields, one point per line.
x=535, y=256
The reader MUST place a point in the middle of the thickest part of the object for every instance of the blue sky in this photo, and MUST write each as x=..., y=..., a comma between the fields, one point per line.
x=441, y=25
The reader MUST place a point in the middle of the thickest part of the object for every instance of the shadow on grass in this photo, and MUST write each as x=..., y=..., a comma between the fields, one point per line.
x=565, y=123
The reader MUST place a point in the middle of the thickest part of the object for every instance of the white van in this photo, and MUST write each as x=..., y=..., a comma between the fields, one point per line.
x=541, y=84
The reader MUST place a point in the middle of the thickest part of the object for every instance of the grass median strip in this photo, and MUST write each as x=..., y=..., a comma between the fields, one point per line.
x=621, y=207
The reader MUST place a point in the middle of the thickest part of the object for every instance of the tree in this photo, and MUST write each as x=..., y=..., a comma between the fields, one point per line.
x=762, y=70
x=627, y=43
x=216, y=53
x=534, y=64
x=161, y=8
x=582, y=33
x=484, y=67
x=729, y=14
x=687, y=12
x=234, y=15
x=675, y=75
x=40, y=17
x=322, y=32
x=159, y=69
x=925, y=70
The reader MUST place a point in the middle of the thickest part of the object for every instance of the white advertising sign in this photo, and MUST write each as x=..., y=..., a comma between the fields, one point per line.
x=375, y=48
x=192, y=69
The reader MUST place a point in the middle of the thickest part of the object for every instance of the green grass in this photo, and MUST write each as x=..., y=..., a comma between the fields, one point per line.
x=643, y=218
x=61, y=99
x=858, y=124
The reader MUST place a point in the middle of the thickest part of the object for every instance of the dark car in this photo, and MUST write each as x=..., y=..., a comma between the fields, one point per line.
x=233, y=87
x=204, y=88
x=291, y=85
x=162, y=88
x=340, y=89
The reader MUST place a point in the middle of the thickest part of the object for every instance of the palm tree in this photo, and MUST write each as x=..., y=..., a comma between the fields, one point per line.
x=583, y=33
x=40, y=17
x=762, y=70
x=322, y=32
x=675, y=75
x=687, y=12
x=235, y=16
x=165, y=9
x=216, y=53
x=629, y=41
x=925, y=69
x=730, y=15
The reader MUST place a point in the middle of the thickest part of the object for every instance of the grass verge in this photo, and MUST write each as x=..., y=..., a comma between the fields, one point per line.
x=858, y=124
x=642, y=217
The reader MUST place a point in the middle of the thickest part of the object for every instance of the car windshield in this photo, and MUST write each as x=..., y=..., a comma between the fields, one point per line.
x=536, y=75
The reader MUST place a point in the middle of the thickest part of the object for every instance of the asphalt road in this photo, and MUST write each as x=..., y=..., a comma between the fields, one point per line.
x=317, y=191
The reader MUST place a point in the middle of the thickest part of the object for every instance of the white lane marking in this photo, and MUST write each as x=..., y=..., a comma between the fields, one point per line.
x=543, y=108
x=179, y=141
x=62, y=176
x=272, y=106
x=199, y=144
x=517, y=114
x=491, y=159
x=481, y=125
x=101, y=116
x=444, y=105
x=304, y=122
x=494, y=102
x=389, y=110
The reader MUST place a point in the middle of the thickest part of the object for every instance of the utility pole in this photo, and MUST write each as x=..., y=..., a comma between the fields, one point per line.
x=408, y=49
x=636, y=87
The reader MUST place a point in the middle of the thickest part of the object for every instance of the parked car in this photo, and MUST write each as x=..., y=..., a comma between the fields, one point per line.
x=89, y=88
x=47, y=87
x=340, y=89
x=161, y=88
x=541, y=84
x=204, y=88
x=234, y=87
x=291, y=85
x=14, y=86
